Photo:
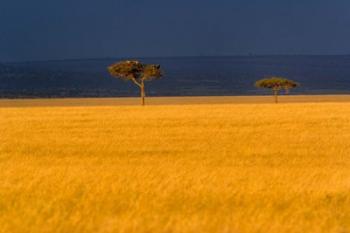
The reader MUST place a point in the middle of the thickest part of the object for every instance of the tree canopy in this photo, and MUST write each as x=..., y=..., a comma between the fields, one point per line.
x=276, y=84
x=135, y=71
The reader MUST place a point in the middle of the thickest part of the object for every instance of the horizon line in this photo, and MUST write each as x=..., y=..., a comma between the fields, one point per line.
x=177, y=56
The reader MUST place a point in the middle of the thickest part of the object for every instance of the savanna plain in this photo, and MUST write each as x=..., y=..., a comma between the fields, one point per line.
x=176, y=168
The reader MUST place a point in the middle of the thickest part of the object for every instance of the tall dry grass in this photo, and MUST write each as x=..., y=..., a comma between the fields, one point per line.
x=161, y=169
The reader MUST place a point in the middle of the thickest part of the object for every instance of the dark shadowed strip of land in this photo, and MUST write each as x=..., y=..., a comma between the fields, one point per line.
x=170, y=100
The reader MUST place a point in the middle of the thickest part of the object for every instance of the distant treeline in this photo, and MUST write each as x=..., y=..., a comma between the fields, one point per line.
x=27, y=81
x=182, y=76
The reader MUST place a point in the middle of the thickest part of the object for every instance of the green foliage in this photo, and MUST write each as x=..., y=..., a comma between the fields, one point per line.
x=151, y=72
x=135, y=71
x=276, y=83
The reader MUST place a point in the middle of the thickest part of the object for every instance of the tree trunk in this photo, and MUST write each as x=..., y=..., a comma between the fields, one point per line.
x=143, y=93
x=275, y=94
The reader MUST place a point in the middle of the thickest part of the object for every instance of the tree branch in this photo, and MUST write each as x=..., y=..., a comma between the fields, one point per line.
x=137, y=83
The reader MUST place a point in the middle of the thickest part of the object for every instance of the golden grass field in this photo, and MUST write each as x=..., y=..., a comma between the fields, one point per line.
x=196, y=168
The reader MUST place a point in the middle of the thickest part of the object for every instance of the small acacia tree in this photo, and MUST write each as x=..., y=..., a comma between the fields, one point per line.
x=276, y=84
x=136, y=72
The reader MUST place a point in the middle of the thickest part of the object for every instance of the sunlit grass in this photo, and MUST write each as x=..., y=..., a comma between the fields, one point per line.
x=197, y=168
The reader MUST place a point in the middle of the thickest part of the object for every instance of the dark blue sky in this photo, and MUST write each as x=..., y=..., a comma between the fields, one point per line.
x=63, y=29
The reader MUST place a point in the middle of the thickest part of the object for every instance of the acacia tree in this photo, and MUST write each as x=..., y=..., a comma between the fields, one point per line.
x=136, y=72
x=276, y=84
